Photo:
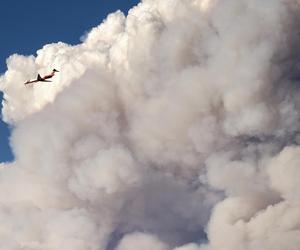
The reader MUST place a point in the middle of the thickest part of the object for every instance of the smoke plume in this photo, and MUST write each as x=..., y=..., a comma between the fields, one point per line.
x=174, y=128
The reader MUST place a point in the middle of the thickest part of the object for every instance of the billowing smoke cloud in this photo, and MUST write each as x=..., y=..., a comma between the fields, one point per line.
x=174, y=128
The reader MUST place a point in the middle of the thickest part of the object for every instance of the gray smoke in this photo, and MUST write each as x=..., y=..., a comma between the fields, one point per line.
x=176, y=127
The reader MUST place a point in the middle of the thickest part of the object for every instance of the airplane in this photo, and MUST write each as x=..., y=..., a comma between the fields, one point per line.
x=42, y=79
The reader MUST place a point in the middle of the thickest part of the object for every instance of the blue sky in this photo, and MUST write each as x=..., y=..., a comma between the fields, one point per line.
x=27, y=25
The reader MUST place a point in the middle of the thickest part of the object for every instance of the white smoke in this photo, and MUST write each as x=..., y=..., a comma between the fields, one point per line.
x=176, y=127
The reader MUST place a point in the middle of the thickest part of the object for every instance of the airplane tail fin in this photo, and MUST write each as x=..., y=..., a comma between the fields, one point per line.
x=39, y=78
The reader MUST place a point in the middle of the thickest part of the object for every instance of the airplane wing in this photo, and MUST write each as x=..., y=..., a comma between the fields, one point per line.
x=46, y=81
x=39, y=78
